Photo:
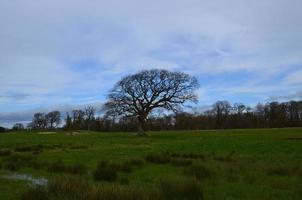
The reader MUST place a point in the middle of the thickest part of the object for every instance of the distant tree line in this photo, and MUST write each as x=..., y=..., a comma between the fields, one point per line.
x=221, y=115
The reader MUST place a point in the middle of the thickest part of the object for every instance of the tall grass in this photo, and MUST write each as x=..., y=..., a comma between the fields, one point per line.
x=66, y=188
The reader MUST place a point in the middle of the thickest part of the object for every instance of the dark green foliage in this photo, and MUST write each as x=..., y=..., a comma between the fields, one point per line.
x=181, y=162
x=198, y=171
x=158, y=158
x=105, y=172
x=5, y=152
x=180, y=188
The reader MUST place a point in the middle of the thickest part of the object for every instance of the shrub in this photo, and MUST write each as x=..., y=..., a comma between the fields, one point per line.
x=180, y=188
x=199, y=172
x=5, y=152
x=105, y=172
x=159, y=159
x=181, y=162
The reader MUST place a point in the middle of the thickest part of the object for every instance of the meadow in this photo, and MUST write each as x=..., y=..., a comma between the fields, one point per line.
x=214, y=164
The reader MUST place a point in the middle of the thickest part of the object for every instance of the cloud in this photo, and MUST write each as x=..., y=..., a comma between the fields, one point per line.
x=294, y=78
x=293, y=96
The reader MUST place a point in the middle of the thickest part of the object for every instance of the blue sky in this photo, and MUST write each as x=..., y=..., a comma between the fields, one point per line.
x=65, y=54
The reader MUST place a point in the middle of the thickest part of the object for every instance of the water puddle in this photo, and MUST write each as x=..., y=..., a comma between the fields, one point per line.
x=25, y=177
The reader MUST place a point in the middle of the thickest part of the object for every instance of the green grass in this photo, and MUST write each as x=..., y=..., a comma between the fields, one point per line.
x=237, y=164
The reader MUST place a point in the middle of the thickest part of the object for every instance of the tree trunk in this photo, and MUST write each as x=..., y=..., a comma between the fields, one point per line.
x=141, y=126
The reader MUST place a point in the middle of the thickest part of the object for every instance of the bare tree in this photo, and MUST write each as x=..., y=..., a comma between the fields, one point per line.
x=53, y=119
x=39, y=121
x=89, y=116
x=137, y=95
x=78, y=117
x=239, y=108
x=18, y=127
x=221, y=109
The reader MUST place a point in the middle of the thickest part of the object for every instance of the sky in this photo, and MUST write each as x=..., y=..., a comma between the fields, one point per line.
x=63, y=54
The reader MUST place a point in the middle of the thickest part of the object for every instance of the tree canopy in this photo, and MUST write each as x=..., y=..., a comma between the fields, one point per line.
x=137, y=95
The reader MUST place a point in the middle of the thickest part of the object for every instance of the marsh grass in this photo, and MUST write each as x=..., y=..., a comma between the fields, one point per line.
x=5, y=152
x=67, y=188
x=198, y=171
x=28, y=148
x=180, y=188
x=188, y=155
x=281, y=170
x=78, y=146
x=60, y=167
x=124, y=180
x=35, y=193
x=105, y=172
x=17, y=161
x=136, y=162
x=158, y=158
x=230, y=157
x=181, y=162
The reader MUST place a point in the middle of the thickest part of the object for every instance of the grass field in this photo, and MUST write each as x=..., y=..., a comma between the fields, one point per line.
x=223, y=164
